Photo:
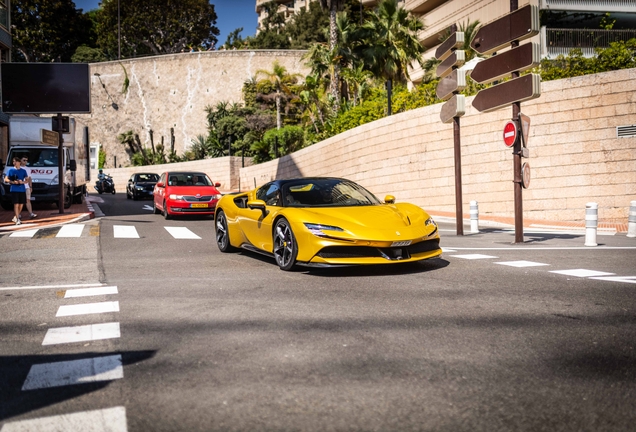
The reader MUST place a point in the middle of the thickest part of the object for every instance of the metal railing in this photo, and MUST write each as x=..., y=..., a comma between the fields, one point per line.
x=561, y=41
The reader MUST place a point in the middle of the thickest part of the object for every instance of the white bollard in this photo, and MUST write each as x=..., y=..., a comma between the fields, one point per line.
x=591, y=223
x=474, y=217
x=631, y=221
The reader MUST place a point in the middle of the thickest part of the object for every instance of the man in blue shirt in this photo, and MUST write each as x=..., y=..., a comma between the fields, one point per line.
x=17, y=178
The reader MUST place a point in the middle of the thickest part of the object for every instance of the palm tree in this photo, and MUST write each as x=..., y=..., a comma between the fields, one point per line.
x=334, y=6
x=282, y=82
x=391, y=43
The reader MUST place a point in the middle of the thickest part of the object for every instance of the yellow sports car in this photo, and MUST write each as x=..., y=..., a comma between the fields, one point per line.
x=323, y=222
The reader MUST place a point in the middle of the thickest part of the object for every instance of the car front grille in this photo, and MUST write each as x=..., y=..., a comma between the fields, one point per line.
x=190, y=198
x=395, y=253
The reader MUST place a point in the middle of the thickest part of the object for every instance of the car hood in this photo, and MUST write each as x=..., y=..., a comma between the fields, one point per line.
x=380, y=221
x=192, y=190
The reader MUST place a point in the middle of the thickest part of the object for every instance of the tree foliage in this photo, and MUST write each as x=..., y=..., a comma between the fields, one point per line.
x=47, y=30
x=154, y=27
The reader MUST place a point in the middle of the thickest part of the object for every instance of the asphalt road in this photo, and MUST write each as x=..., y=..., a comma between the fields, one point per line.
x=494, y=336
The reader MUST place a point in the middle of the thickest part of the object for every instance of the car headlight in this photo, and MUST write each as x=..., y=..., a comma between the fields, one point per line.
x=216, y=197
x=319, y=229
x=430, y=221
x=56, y=180
x=139, y=187
x=176, y=197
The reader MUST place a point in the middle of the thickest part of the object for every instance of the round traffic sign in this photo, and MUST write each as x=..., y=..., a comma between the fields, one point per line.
x=510, y=133
x=525, y=175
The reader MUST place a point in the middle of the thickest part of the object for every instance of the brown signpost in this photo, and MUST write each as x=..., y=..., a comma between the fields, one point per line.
x=452, y=81
x=450, y=84
x=496, y=67
x=49, y=137
x=518, y=25
x=519, y=89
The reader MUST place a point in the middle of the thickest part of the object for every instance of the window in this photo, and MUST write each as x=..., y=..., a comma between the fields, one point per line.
x=269, y=193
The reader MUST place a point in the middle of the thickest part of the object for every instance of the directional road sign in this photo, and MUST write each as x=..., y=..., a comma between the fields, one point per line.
x=517, y=90
x=524, y=121
x=454, y=41
x=456, y=59
x=516, y=26
x=454, y=107
x=49, y=137
x=510, y=133
x=525, y=175
x=518, y=59
x=456, y=81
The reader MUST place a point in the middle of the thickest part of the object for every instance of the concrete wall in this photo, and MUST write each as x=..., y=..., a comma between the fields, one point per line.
x=575, y=155
x=170, y=91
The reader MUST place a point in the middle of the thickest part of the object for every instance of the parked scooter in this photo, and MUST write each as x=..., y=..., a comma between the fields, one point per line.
x=107, y=185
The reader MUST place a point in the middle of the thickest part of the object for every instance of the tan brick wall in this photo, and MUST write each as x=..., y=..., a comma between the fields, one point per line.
x=170, y=91
x=574, y=154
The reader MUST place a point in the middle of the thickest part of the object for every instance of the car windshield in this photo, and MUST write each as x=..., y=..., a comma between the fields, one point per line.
x=189, y=179
x=147, y=178
x=326, y=193
x=39, y=157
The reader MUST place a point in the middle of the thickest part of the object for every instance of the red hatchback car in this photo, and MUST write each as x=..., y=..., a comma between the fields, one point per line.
x=185, y=193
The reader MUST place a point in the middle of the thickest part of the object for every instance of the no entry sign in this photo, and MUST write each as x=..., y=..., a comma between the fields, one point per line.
x=510, y=133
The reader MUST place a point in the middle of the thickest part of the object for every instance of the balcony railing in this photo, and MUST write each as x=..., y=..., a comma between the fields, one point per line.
x=561, y=41
x=589, y=5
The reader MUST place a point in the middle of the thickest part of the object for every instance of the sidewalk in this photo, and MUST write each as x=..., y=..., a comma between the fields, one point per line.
x=499, y=221
x=48, y=215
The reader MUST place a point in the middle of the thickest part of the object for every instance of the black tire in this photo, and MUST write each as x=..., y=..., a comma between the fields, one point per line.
x=285, y=245
x=155, y=210
x=68, y=199
x=79, y=198
x=113, y=192
x=127, y=194
x=222, y=232
x=99, y=191
x=165, y=211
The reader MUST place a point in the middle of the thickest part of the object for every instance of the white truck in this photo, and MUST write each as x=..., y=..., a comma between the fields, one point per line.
x=25, y=139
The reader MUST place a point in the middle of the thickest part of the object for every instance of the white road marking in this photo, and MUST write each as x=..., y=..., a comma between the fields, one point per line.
x=89, y=308
x=448, y=250
x=49, y=286
x=474, y=256
x=125, y=231
x=625, y=279
x=105, y=420
x=182, y=233
x=92, y=332
x=73, y=372
x=147, y=207
x=87, y=292
x=533, y=248
x=582, y=273
x=24, y=233
x=521, y=263
x=71, y=230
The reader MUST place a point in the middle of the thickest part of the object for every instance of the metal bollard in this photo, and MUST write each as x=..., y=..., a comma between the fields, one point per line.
x=474, y=217
x=591, y=223
x=631, y=221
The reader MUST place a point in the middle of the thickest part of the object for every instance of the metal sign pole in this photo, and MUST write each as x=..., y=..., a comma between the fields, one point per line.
x=518, y=180
x=459, y=214
x=60, y=162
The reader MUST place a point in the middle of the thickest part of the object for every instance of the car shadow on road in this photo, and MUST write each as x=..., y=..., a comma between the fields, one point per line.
x=377, y=270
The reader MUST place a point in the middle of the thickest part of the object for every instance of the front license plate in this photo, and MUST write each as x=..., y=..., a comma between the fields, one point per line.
x=199, y=205
x=401, y=243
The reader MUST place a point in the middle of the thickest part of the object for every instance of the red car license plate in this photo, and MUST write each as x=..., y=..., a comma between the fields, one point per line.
x=199, y=205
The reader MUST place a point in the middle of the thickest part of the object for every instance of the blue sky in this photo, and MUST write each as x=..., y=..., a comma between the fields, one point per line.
x=231, y=15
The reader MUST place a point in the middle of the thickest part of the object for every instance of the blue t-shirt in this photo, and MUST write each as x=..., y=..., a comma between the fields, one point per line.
x=17, y=174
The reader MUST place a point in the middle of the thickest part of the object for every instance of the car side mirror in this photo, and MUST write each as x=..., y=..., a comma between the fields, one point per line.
x=73, y=165
x=258, y=205
x=389, y=199
x=217, y=184
x=130, y=181
x=159, y=184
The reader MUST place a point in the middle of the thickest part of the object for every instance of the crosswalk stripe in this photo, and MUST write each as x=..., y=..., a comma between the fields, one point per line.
x=87, y=292
x=70, y=230
x=182, y=233
x=582, y=273
x=125, y=231
x=73, y=372
x=25, y=233
x=87, y=309
x=104, y=420
x=92, y=332
x=521, y=263
x=473, y=256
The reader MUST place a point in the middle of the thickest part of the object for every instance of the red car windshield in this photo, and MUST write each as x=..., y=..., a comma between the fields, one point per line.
x=189, y=179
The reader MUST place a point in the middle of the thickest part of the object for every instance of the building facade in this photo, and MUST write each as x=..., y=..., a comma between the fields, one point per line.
x=5, y=56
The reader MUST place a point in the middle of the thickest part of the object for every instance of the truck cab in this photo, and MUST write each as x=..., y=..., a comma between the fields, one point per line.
x=25, y=141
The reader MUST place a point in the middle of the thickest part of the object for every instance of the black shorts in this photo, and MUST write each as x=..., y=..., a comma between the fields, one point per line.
x=18, y=197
